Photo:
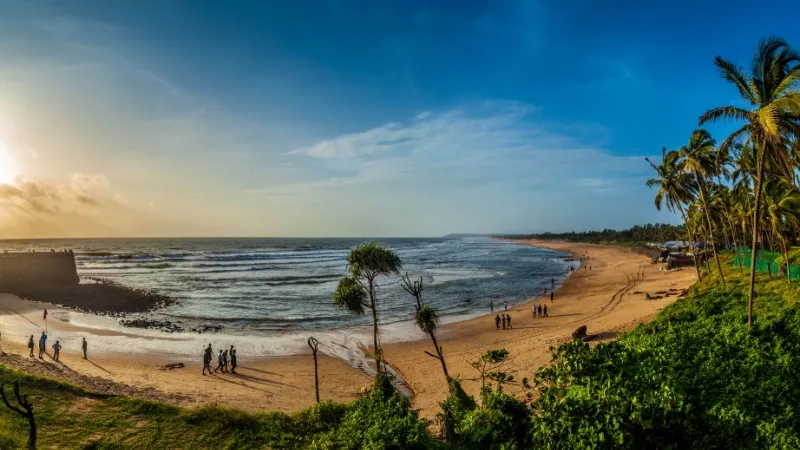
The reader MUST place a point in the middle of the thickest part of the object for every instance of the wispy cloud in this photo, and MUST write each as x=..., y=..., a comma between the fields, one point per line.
x=491, y=144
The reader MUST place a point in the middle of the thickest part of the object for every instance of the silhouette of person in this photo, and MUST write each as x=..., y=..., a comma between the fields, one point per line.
x=496, y=322
x=219, y=362
x=30, y=346
x=84, y=347
x=56, y=350
x=544, y=311
x=208, y=355
x=508, y=319
x=504, y=321
x=233, y=361
x=551, y=296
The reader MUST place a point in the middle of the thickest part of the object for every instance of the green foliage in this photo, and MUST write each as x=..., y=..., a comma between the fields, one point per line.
x=370, y=260
x=639, y=234
x=350, y=295
x=427, y=318
x=381, y=419
x=695, y=377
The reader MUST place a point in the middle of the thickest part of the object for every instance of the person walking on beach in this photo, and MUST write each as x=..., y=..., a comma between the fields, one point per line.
x=540, y=311
x=533, y=311
x=42, y=343
x=505, y=306
x=84, y=347
x=219, y=362
x=208, y=355
x=496, y=322
x=504, y=321
x=233, y=360
x=544, y=311
x=30, y=346
x=225, y=361
x=551, y=296
x=491, y=306
x=56, y=350
x=508, y=319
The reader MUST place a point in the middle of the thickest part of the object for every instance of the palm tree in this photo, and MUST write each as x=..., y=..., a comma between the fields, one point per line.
x=674, y=189
x=699, y=159
x=427, y=319
x=771, y=91
x=356, y=292
x=783, y=209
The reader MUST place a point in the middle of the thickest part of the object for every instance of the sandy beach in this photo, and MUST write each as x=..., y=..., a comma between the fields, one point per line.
x=608, y=299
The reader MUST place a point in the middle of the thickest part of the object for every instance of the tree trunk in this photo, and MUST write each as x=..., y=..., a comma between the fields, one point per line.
x=31, y=432
x=691, y=241
x=754, y=250
x=374, y=309
x=441, y=358
x=702, y=185
x=786, y=261
x=733, y=237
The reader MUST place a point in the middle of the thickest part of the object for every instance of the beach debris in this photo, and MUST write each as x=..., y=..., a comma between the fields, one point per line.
x=172, y=366
x=580, y=333
x=152, y=324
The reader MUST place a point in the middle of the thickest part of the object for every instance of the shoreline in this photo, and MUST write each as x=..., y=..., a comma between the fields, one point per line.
x=285, y=383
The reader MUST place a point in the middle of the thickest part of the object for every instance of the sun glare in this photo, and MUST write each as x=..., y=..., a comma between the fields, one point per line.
x=8, y=168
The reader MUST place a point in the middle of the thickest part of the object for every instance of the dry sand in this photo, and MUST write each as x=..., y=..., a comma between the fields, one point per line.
x=607, y=299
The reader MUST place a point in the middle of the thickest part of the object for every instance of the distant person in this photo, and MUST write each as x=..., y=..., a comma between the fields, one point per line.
x=208, y=355
x=504, y=320
x=219, y=362
x=491, y=306
x=544, y=311
x=225, y=361
x=84, y=347
x=540, y=310
x=551, y=297
x=233, y=361
x=508, y=319
x=42, y=343
x=533, y=311
x=30, y=346
x=56, y=350
x=496, y=322
x=505, y=306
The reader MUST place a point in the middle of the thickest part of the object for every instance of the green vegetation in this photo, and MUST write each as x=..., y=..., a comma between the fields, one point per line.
x=637, y=235
x=356, y=292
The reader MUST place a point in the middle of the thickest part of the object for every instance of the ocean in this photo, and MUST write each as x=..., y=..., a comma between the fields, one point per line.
x=283, y=287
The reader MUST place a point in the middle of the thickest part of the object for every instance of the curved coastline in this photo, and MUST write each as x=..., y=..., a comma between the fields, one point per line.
x=285, y=383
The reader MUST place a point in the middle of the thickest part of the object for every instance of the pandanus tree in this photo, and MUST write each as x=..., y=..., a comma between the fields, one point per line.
x=25, y=410
x=699, y=159
x=674, y=189
x=356, y=292
x=770, y=121
x=427, y=319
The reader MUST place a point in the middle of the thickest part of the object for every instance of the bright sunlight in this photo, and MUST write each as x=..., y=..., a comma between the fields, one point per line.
x=8, y=168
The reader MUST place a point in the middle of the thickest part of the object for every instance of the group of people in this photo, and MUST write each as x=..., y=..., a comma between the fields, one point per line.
x=505, y=319
x=491, y=306
x=223, y=359
x=539, y=311
x=56, y=347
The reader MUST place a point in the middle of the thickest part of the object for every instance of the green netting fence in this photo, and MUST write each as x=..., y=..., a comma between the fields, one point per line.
x=766, y=261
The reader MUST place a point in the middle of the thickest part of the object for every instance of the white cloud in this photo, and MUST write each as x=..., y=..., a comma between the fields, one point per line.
x=504, y=144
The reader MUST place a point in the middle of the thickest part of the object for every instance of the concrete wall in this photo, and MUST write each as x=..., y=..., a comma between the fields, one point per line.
x=39, y=267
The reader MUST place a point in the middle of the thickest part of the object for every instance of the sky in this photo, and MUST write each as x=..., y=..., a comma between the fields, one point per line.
x=354, y=118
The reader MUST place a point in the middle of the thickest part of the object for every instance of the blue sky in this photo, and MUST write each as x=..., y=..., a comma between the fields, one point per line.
x=355, y=118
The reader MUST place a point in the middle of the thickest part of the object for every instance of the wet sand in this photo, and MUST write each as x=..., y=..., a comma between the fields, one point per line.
x=607, y=299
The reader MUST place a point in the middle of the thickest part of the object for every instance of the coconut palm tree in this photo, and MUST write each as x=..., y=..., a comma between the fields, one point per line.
x=674, y=189
x=699, y=159
x=356, y=292
x=770, y=121
x=782, y=203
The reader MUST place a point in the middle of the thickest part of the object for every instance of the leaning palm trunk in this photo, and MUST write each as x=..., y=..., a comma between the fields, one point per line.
x=786, y=260
x=691, y=242
x=710, y=229
x=754, y=250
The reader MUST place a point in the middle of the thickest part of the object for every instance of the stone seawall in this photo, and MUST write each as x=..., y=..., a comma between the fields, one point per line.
x=51, y=268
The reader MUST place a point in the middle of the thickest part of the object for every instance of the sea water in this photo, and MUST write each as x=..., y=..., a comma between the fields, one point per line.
x=270, y=294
